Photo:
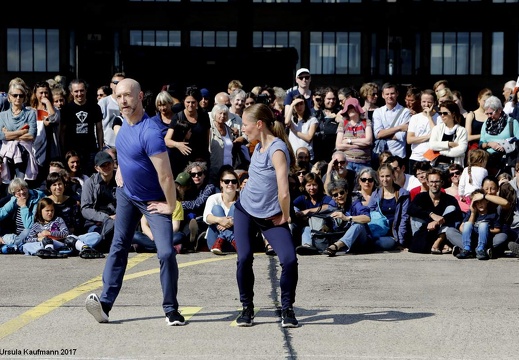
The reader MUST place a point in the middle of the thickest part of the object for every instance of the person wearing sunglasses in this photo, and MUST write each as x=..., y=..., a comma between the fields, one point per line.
x=498, y=129
x=19, y=128
x=393, y=202
x=194, y=201
x=367, y=182
x=349, y=218
x=449, y=137
x=453, y=174
x=337, y=169
x=303, y=80
x=219, y=214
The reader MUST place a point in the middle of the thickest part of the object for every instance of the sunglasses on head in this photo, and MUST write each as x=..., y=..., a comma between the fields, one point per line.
x=341, y=193
x=230, y=181
x=370, y=180
x=195, y=174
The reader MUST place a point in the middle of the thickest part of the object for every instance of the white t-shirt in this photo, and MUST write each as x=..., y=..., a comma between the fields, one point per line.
x=297, y=142
x=419, y=125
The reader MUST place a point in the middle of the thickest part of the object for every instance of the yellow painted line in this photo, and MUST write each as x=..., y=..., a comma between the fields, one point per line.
x=52, y=304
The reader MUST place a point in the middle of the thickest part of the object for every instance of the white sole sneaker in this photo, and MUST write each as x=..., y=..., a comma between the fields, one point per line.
x=93, y=306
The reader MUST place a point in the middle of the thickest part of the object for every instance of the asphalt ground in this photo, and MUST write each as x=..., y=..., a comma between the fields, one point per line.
x=392, y=305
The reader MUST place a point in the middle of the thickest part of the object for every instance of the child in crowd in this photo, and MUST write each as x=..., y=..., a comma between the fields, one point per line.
x=473, y=174
x=46, y=230
x=479, y=222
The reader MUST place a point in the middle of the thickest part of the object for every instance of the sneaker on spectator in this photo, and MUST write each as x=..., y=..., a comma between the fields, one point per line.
x=246, y=316
x=482, y=255
x=217, y=246
x=173, y=318
x=465, y=254
x=288, y=318
x=455, y=250
x=178, y=248
x=95, y=308
x=233, y=243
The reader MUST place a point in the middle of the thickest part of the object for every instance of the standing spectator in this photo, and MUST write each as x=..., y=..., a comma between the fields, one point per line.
x=458, y=99
x=59, y=98
x=234, y=85
x=303, y=80
x=329, y=117
x=496, y=129
x=205, y=102
x=354, y=135
x=390, y=122
x=81, y=126
x=420, y=127
x=301, y=124
x=199, y=123
x=103, y=91
x=220, y=142
x=508, y=95
x=45, y=146
x=98, y=200
x=369, y=92
x=147, y=188
x=110, y=110
x=475, y=119
x=449, y=138
x=19, y=130
x=412, y=100
x=264, y=203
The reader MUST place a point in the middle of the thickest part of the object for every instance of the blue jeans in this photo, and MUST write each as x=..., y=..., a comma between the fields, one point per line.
x=212, y=230
x=482, y=230
x=356, y=166
x=129, y=213
x=356, y=236
x=280, y=238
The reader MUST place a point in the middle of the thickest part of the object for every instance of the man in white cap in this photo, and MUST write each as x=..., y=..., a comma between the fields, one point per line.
x=303, y=88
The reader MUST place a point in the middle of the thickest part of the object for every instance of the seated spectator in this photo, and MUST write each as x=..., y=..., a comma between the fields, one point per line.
x=98, y=202
x=314, y=200
x=17, y=215
x=420, y=170
x=303, y=158
x=76, y=177
x=478, y=228
x=68, y=209
x=48, y=232
x=432, y=213
x=454, y=173
x=393, y=202
x=402, y=178
x=367, y=182
x=337, y=169
x=352, y=218
x=219, y=214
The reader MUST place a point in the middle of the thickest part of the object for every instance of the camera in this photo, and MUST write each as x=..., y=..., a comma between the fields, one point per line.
x=263, y=99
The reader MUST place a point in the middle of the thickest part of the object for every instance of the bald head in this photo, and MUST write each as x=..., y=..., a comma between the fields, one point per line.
x=222, y=98
x=129, y=97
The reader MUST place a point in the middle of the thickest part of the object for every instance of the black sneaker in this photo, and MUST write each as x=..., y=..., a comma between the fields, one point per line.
x=246, y=316
x=455, y=250
x=465, y=254
x=173, y=318
x=307, y=250
x=482, y=255
x=288, y=318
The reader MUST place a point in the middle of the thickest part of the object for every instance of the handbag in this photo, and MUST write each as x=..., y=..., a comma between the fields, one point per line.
x=379, y=224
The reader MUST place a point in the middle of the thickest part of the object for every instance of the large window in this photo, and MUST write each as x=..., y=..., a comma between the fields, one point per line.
x=278, y=39
x=498, y=47
x=213, y=38
x=35, y=50
x=155, y=38
x=456, y=53
x=335, y=52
